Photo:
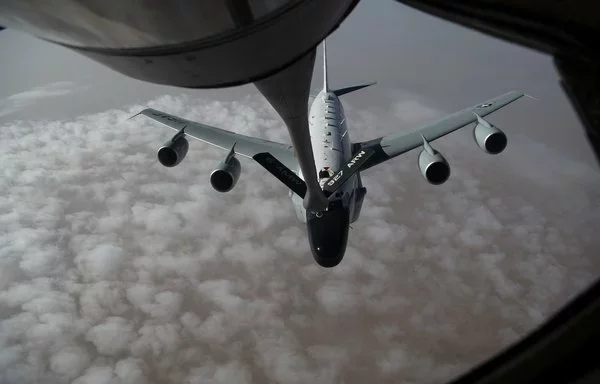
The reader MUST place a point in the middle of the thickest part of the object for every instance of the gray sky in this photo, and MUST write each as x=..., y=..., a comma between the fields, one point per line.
x=114, y=269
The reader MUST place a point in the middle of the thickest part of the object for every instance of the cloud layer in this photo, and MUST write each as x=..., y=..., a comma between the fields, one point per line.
x=21, y=100
x=114, y=269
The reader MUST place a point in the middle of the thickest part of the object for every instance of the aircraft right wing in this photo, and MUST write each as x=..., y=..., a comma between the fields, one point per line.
x=390, y=146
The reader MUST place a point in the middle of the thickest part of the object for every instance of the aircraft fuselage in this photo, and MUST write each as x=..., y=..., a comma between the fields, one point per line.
x=328, y=230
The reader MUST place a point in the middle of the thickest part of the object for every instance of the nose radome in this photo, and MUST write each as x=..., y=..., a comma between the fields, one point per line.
x=327, y=259
x=329, y=253
x=328, y=236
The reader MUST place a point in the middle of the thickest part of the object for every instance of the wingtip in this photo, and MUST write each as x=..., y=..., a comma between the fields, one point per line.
x=521, y=93
x=131, y=117
x=137, y=114
x=531, y=97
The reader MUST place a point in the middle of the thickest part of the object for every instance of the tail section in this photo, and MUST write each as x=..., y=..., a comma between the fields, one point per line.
x=341, y=91
x=325, y=82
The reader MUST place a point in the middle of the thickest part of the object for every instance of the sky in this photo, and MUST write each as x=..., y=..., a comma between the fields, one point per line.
x=114, y=269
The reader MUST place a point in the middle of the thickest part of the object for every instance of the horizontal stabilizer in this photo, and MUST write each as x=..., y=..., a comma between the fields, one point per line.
x=347, y=170
x=281, y=172
x=343, y=91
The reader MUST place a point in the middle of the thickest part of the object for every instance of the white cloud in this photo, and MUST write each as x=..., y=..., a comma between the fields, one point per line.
x=69, y=362
x=97, y=375
x=396, y=360
x=131, y=371
x=337, y=298
x=111, y=337
x=232, y=372
x=23, y=99
x=412, y=111
x=102, y=262
x=115, y=269
x=157, y=340
x=59, y=88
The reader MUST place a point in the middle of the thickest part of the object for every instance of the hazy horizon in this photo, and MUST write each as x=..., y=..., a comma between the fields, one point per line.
x=114, y=269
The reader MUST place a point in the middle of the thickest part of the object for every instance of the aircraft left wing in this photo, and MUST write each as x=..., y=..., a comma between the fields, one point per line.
x=246, y=146
x=390, y=146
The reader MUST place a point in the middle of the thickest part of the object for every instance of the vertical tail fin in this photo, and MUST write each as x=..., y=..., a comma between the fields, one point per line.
x=325, y=83
x=341, y=91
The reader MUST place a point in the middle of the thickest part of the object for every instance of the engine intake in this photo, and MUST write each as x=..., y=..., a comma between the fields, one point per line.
x=434, y=167
x=226, y=175
x=489, y=138
x=173, y=152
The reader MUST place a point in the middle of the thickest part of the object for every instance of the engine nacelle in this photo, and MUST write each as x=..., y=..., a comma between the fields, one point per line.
x=173, y=152
x=434, y=167
x=226, y=175
x=489, y=138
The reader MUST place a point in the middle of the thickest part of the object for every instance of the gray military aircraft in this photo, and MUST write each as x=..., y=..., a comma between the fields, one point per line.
x=338, y=160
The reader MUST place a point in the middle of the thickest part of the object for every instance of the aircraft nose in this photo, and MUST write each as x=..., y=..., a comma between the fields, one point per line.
x=328, y=258
x=328, y=236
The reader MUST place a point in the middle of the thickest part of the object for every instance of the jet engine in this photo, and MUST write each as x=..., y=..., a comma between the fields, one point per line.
x=489, y=138
x=433, y=165
x=174, y=151
x=227, y=173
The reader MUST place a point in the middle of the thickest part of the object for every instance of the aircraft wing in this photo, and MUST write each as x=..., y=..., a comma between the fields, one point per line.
x=390, y=146
x=246, y=146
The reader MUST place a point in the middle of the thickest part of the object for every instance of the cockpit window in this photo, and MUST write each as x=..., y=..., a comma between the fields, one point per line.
x=325, y=173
